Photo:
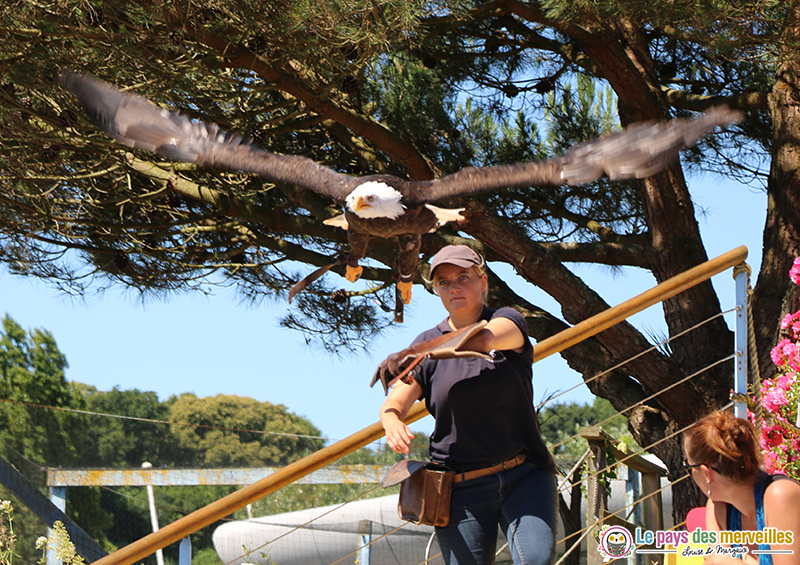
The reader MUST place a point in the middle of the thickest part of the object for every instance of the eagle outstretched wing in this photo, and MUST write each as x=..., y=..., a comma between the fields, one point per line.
x=639, y=151
x=381, y=205
x=136, y=122
x=636, y=152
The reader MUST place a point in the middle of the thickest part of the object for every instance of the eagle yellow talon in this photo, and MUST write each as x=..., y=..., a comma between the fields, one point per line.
x=353, y=273
x=405, y=291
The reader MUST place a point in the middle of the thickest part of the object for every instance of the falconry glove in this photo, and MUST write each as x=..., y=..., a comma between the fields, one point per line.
x=401, y=365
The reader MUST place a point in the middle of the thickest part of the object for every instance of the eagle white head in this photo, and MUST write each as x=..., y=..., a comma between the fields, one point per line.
x=375, y=200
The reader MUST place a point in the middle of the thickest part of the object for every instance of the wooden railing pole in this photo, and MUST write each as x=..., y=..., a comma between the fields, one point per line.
x=217, y=510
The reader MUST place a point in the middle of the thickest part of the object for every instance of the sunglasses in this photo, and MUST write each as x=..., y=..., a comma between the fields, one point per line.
x=688, y=468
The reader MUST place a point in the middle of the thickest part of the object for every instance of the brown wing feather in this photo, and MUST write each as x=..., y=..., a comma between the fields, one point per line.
x=639, y=151
x=137, y=123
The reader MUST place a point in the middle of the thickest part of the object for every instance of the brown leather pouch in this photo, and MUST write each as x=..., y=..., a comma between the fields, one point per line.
x=425, y=496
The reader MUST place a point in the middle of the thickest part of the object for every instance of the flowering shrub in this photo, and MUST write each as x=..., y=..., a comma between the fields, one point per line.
x=58, y=541
x=8, y=539
x=779, y=398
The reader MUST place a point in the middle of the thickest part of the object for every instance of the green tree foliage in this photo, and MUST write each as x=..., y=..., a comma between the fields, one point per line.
x=33, y=434
x=124, y=428
x=138, y=433
x=560, y=423
x=417, y=89
x=227, y=430
x=128, y=442
x=184, y=431
x=32, y=376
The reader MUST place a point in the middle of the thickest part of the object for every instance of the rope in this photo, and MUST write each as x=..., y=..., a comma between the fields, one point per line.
x=588, y=528
x=752, y=355
x=753, y=359
x=645, y=352
x=652, y=396
x=153, y=421
x=583, y=532
x=683, y=478
x=643, y=450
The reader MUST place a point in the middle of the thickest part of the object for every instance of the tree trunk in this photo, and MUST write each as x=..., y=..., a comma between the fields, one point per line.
x=782, y=229
x=675, y=245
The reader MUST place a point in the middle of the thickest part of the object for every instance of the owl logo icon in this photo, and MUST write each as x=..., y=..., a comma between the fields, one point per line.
x=615, y=542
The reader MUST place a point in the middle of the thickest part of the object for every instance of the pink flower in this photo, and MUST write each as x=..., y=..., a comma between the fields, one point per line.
x=786, y=354
x=778, y=352
x=772, y=464
x=771, y=436
x=779, y=397
x=774, y=399
x=792, y=322
x=784, y=382
x=794, y=272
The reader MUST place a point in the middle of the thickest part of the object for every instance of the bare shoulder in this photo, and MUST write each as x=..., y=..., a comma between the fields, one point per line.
x=783, y=491
x=782, y=511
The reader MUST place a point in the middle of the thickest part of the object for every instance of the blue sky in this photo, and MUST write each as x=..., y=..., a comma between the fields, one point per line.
x=216, y=344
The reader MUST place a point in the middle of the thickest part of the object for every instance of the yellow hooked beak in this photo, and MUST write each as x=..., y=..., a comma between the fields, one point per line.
x=360, y=202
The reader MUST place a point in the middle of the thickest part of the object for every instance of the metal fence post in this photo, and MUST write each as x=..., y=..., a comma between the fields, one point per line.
x=185, y=551
x=740, y=276
x=153, y=513
x=364, y=541
x=58, y=496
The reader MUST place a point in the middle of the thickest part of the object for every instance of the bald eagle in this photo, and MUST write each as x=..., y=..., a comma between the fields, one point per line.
x=385, y=205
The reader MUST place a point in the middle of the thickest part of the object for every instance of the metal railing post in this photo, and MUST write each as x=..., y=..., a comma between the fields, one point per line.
x=185, y=551
x=365, y=542
x=153, y=513
x=58, y=496
x=740, y=276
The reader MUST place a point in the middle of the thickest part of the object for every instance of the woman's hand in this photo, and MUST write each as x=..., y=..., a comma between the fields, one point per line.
x=398, y=436
x=394, y=410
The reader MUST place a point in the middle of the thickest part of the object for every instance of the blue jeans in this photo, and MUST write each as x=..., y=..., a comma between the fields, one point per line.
x=521, y=500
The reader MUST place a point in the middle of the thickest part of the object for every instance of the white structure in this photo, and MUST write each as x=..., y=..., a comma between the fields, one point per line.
x=340, y=531
x=328, y=538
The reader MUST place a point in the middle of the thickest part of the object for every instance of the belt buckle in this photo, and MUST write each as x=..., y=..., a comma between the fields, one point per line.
x=514, y=460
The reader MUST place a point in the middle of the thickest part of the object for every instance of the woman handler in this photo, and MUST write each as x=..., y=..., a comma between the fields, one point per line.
x=486, y=427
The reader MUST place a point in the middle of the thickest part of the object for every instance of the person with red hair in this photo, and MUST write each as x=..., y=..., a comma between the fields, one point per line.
x=723, y=458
